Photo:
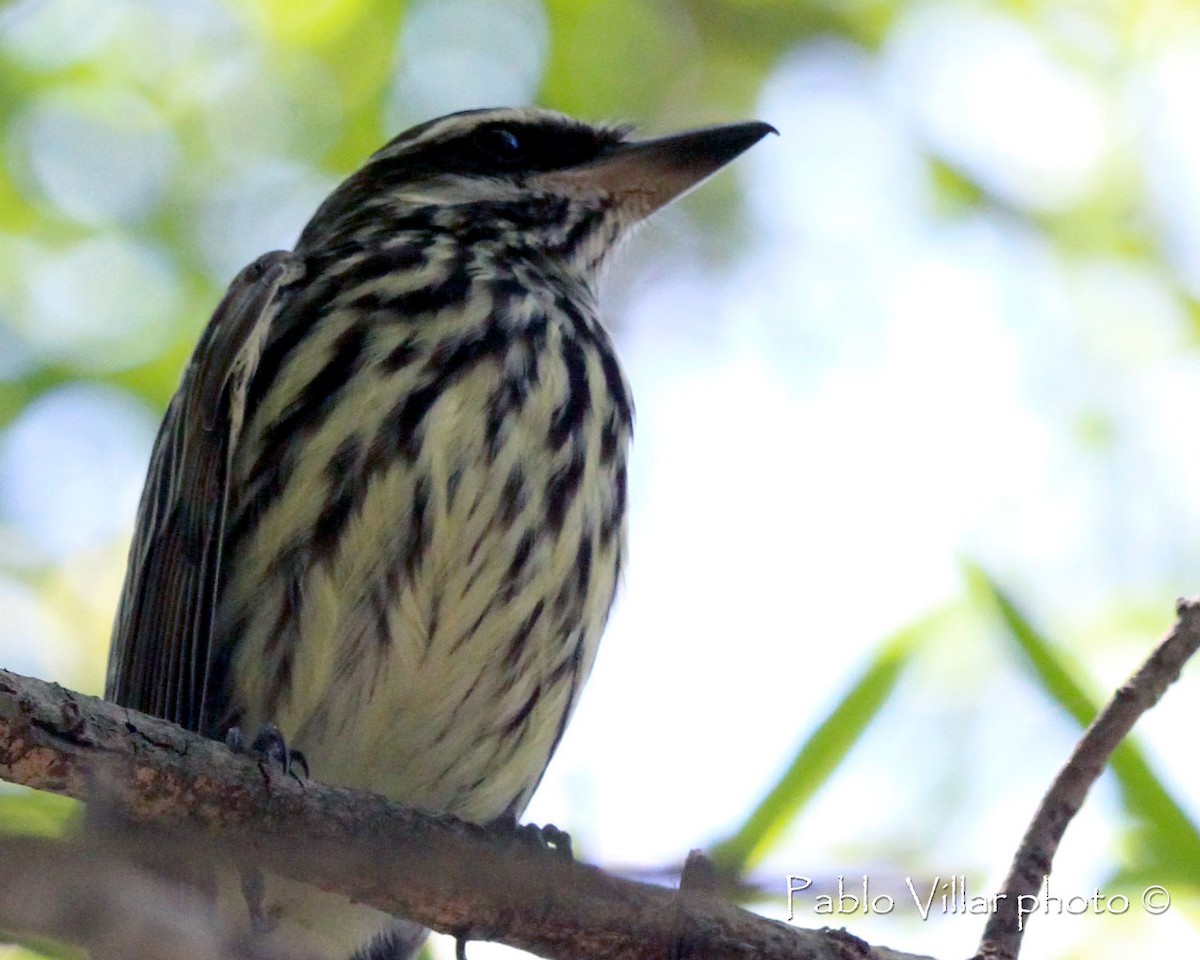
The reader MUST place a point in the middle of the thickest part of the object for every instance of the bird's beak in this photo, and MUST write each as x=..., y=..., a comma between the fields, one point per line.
x=644, y=175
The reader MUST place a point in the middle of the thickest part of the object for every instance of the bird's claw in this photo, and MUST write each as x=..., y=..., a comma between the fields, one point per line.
x=270, y=747
x=548, y=837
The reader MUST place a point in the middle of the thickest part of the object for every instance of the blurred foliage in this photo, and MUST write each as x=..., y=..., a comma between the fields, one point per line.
x=823, y=750
x=1167, y=842
x=30, y=811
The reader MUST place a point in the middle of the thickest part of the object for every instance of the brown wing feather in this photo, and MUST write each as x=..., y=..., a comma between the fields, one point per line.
x=159, y=659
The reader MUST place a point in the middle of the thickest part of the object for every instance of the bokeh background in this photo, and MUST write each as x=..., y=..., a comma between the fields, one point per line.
x=916, y=477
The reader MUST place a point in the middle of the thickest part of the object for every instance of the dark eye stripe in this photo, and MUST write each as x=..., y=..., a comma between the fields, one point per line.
x=487, y=151
x=534, y=146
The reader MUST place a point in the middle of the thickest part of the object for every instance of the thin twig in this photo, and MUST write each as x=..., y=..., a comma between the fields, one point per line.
x=1002, y=935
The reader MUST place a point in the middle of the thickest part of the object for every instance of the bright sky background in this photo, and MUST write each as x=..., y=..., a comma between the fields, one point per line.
x=846, y=383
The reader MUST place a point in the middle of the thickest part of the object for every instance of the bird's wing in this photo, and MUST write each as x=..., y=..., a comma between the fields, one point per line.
x=159, y=659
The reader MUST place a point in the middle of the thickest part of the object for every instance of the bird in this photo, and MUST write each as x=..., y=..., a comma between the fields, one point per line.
x=385, y=512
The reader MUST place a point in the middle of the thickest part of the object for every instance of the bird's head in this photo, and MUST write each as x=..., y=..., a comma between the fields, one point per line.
x=526, y=178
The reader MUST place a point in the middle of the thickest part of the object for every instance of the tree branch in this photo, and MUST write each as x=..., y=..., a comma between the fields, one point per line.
x=449, y=875
x=445, y=874
x=88, y=896
x=1002, y=935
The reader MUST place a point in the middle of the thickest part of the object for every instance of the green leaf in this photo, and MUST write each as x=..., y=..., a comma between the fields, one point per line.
x=31, y=811
x=34, y=949
x=824, y=750
x=1165, y=830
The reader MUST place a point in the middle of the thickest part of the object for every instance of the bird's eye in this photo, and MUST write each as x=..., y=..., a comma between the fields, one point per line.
x=501, y=144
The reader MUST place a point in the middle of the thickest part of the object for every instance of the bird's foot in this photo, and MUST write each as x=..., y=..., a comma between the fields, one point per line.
x=269, y=747
x=548, y=837
x=254, y=890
